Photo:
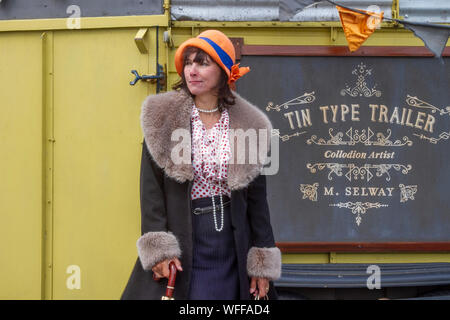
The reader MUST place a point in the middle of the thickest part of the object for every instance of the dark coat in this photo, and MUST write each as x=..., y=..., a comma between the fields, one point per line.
x=165, y=193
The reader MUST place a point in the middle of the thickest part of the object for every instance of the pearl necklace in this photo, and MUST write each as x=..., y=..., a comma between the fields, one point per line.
x=207, y=111
x=210, y=186
x=214, y=202
x=214, y=209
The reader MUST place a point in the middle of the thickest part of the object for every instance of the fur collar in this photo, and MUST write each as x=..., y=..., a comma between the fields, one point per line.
x=165, y=112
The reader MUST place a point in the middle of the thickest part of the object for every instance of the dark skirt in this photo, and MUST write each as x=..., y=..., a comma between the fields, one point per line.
x=214, y=268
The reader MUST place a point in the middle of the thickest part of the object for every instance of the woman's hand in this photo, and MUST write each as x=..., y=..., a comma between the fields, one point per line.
x=259, y=286
x=161, y=270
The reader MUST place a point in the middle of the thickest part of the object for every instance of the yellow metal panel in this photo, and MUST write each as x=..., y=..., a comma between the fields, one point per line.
x=47, y=144
x=317, y=36
x=305, y=258
x=391, y=257
x=85, y=23
x=334, y=257
x=97, y=160
x=21, y=165
x=253, y=24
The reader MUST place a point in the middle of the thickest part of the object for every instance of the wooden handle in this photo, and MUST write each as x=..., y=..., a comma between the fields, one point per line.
x=172, y=277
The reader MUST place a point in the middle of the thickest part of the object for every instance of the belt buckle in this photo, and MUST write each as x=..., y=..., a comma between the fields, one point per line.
x=198, y=211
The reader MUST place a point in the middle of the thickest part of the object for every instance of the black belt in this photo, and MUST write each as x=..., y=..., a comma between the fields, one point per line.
x=209, y=209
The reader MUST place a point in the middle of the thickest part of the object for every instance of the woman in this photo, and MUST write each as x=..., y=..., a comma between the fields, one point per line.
x=208, y=211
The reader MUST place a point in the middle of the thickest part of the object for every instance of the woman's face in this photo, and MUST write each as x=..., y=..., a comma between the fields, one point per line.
x=201, y=77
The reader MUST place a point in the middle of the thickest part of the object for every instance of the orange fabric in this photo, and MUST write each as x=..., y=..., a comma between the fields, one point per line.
x=357, y=26
x=222, y=41
x=237, y=72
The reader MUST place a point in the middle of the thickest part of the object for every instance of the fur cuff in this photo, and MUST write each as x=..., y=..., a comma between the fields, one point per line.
x=154, y=247
x=264, y=263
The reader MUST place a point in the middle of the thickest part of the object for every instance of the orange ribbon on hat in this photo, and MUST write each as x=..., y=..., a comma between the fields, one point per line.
x=237, y=72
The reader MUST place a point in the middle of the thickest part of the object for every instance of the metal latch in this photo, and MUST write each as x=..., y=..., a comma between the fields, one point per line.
x=159, y=78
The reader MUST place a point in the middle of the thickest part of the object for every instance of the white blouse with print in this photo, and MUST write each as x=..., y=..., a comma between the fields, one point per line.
x=210, y=156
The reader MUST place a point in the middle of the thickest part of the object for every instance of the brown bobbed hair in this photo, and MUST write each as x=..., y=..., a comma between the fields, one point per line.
x=224, y=94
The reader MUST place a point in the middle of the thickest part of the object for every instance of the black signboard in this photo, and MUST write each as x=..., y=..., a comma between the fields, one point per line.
x=364, y=150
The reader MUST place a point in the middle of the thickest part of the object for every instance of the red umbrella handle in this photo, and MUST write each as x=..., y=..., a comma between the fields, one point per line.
x=171, y=283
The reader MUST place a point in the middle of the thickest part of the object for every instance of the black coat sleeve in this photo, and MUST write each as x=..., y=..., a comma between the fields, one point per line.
x=263, y=258
x=259, y=215
x=153, y=208
x=156, y=242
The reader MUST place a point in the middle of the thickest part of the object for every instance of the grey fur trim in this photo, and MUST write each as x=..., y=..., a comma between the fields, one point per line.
x=154, y=247
x=163, y=113
x=264, y=263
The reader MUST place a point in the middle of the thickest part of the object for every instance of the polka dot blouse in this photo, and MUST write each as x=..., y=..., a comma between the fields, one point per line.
x=210, y=156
